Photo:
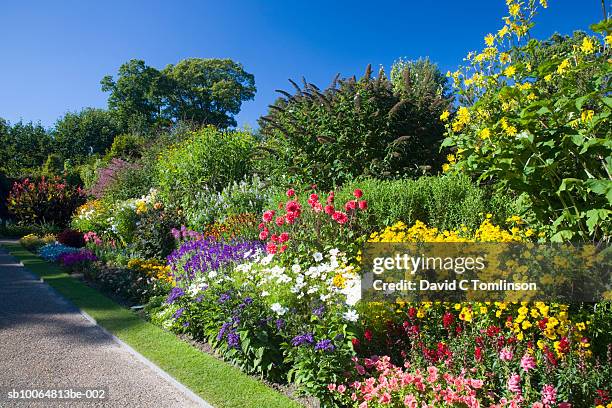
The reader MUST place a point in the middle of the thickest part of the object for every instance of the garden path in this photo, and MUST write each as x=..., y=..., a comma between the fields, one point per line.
x=46, y=343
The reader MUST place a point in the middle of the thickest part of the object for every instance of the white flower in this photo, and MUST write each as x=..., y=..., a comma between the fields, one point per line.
x=278, y=309
x=334, y=252
x=296, y=268
x=266, y=259
x=212, y=274
x=351, y=316
x=265, y=293
x=318, y=257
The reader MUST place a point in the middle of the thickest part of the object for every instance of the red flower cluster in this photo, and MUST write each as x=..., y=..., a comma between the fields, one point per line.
x=293, y=211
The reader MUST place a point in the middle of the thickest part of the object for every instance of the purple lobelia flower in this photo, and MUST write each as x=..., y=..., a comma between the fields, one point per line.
x=300, y=340
x=224, y=297
x=319, y=311
x=233, y=339
x=203, y=255
x=174, y=294
x=178, y=313
x=325, y=345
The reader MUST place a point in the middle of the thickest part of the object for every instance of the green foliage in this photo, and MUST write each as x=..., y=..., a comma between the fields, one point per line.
x=25, y=146
x=54, y=165
x=129, y=182
x=152, y=238
x=79, y=135
x=202, y=91
x=540, y=124
x=444, y=202
x=208, y=161
x=370, y=126
x=127, y=146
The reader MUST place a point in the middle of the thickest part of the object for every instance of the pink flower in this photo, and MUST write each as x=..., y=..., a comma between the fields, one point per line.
x=476, y=384
x=506, y=354
x=268, y=215
x=284, y=237
x=290, y=217
x=340, y=217
x=271, y=248
x=317, y=207
x=313, y=197
x=514, y=383
x=280, y=221
x=290, y=192
x=363, y=205
x=274, y=238
x=331, y=387
x=341, y=388
x=549, y=395
x=528, y=362
x=565, y=405
x=330, y=197
x=263, y=235
x=293, y=206
x=350, y=205
x=329, y=209
x=410, y=401
x=537, y=405
x=385, y=398
x=358, y=193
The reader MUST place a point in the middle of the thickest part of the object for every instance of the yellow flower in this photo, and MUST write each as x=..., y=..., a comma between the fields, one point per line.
x=510, y=71
x=485, y=133
x=608, y=39
x=548, y=78
x=451, y=158
x=588, y=47
x=445, y=167
x=544, y=3
x=514, y=9
x=444, y=116
x=339, y=281
x=504, y=57
x=503, y=32
x=489, y=39
x=563, y=66
x=587, y=115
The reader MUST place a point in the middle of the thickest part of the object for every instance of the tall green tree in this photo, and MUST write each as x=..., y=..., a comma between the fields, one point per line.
x=78, y=135
x=201, y=91
x=24, y=146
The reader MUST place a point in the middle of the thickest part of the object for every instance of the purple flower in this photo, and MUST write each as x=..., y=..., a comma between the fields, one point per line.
x=203, y=255
x=306, y=338
x=233, y=339
x=224, y=297
x=248, y=300
x=178, y=313
x=174, y=294
x=318, y=311
x=280, y=323
x=71, y=258
x=325, y=345
x=222, y=331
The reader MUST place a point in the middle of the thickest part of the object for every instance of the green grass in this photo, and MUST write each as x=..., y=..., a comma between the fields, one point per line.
x=219, y=383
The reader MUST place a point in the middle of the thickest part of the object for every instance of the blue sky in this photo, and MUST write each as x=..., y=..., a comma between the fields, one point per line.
x=53, y=54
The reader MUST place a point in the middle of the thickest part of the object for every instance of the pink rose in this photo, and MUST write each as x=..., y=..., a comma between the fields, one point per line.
x=268, y=215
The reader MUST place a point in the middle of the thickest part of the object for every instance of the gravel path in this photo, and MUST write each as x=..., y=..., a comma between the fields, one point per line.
x=46, y=343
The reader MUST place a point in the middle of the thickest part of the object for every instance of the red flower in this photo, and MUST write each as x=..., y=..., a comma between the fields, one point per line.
x=283, y=248
x=358, y=193
x=280, y=221
x=330, y=197
x=350, y=205
x=284, y=237
x=368, y=335
x=340, y=217
x=271, y=248
x=329, y=209
x=274, y=238
x=293, y=206
x=263, y=235
x=290, y=192
x=314, y=197
x=478, y=353
x=355, y=342
x=363, y=205
x=291, y=216
x=261, y=225
x=268, y=215
x=447, y=320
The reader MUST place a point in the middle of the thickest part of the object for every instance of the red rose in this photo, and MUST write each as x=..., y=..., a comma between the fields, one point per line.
x=290, y=192
x=363, y=205
x=267, y=215
x=340, y=217
x=358, y=193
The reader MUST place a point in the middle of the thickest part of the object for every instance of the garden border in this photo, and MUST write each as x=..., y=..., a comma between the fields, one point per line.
x=201, y=376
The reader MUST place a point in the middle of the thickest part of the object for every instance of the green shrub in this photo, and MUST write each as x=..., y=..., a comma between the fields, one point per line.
x=444, y=202
x=127, y=147
x=152, y=237
x=369, y=126
x=540, y=126
x=209, y=160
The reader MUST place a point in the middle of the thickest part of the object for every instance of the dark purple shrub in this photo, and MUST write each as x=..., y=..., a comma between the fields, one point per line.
x=72, y=238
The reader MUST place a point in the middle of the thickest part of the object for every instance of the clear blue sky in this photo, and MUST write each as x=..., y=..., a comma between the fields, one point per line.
x=54, y=53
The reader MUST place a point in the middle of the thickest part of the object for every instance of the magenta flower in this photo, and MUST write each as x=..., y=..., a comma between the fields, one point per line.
x=514, y=383
x=528, y=362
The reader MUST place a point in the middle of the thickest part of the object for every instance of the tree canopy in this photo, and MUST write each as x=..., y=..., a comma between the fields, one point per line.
x=202, y=91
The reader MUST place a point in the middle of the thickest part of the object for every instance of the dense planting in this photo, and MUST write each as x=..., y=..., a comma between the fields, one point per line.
x=253, y=244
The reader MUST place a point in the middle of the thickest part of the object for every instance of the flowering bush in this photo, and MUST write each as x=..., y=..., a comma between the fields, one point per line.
x=45, y=201
x=525, y=122
x=32, y=241
x=52, y=252
x=71, y=238
x=314, y=224
x=77, y=261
